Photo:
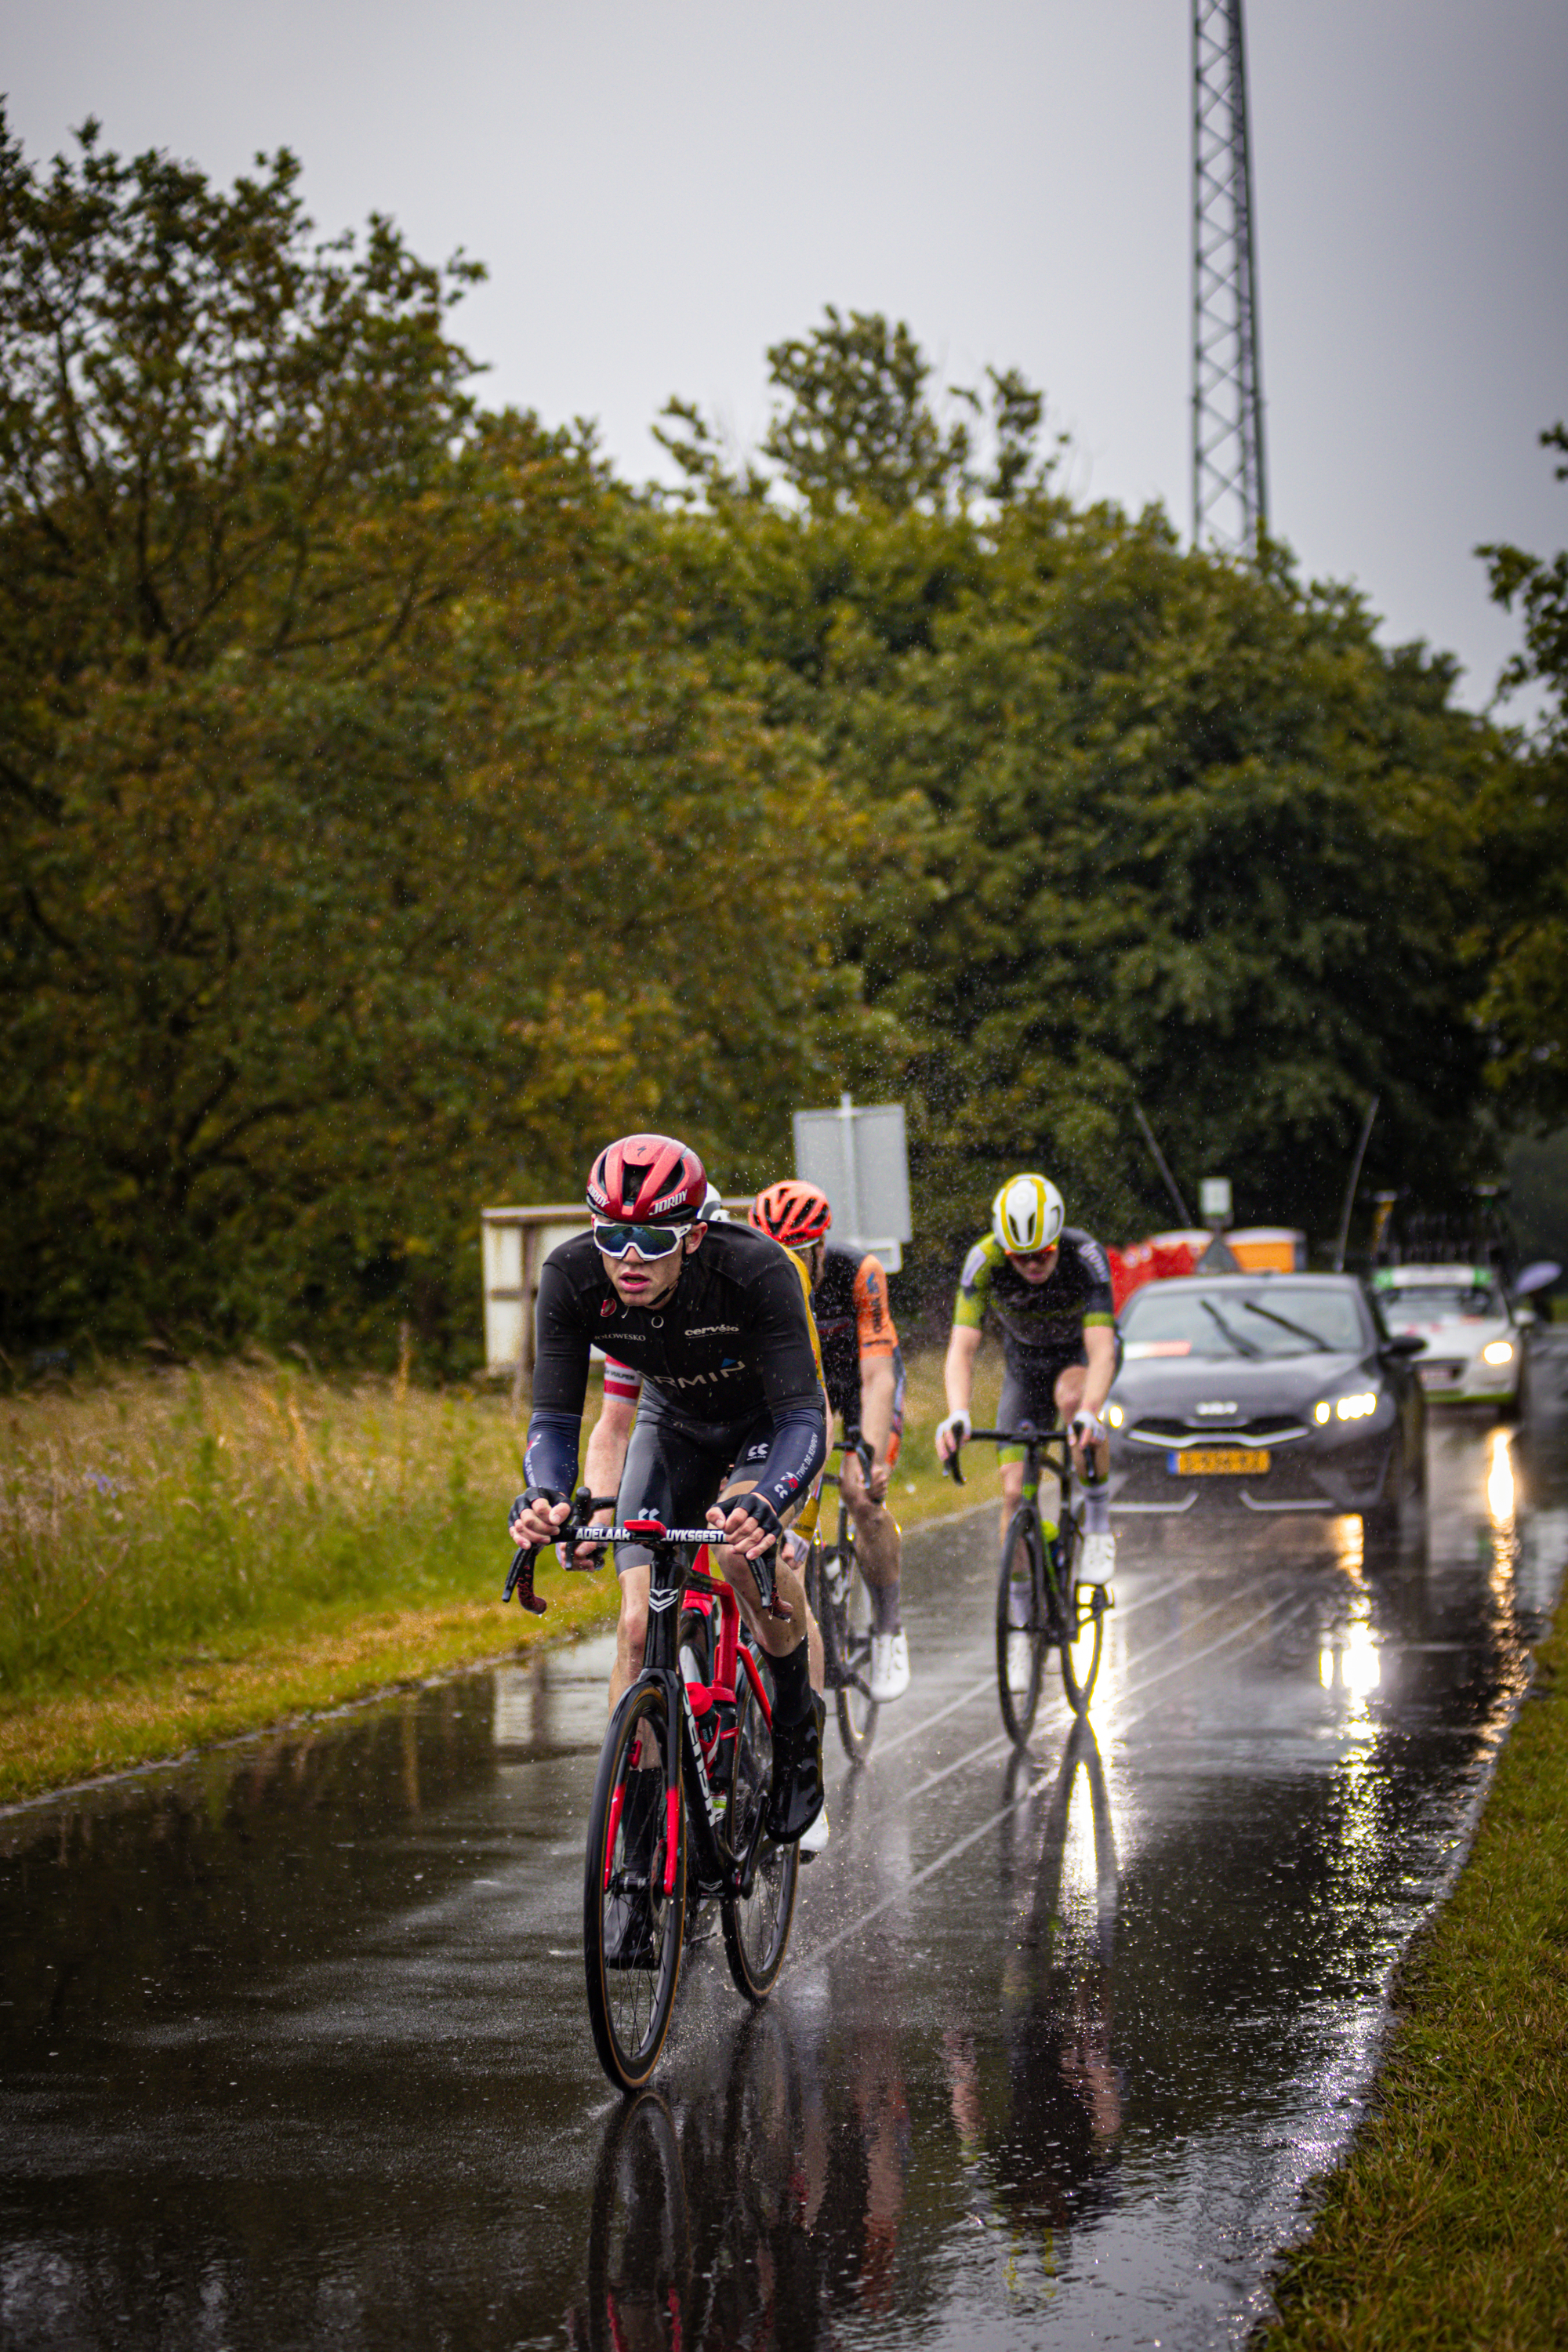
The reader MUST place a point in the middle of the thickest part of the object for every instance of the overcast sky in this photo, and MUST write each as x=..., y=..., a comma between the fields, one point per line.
x=662, y=187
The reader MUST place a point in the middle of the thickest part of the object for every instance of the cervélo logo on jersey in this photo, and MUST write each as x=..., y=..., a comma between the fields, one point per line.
x=708, y=1330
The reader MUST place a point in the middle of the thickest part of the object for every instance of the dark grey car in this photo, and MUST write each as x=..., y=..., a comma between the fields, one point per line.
x=1263, y=1393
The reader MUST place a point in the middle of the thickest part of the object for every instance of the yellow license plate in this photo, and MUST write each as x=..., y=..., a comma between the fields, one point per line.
x=1219, y=1461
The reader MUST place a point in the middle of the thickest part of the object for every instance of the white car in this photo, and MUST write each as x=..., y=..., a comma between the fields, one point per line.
x=1478, y=1346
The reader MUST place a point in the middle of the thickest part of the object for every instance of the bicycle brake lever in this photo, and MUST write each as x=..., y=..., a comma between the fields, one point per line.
x=762, y=1569
x=950, y=1466
x=520, y=1580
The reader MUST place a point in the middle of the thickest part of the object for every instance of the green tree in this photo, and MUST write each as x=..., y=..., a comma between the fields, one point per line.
x=372, y=841
x=1526, y=825
x=1146, y=825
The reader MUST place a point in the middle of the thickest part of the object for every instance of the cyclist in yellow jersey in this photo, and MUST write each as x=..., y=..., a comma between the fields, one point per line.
x=1047, y=1286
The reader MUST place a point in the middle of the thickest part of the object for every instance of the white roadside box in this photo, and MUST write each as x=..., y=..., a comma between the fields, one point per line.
x=857, y=1155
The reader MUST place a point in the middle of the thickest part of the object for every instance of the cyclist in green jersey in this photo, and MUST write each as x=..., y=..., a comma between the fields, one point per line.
x=1047, y=1284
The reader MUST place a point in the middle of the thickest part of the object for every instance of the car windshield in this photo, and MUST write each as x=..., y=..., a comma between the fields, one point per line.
x=1285, y=1319
x=1439, y=1302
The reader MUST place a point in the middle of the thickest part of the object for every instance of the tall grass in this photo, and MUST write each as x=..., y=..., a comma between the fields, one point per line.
x=158, y=1514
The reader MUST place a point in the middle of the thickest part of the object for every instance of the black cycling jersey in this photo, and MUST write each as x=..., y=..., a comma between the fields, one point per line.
x=849, y=1306
x=733, y=1342
x=1037, y=1319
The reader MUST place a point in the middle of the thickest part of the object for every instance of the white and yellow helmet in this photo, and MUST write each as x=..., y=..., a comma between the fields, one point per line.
x=1027, y=1214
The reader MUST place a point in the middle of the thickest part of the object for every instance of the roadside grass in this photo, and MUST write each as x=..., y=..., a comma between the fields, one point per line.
x=1446, y=2230
x=188, y=1556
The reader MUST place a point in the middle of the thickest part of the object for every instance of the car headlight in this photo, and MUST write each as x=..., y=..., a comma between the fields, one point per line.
x=1355, y=1408
x=1322, y=1412
x=1497, y=1352
x=1114, y=1415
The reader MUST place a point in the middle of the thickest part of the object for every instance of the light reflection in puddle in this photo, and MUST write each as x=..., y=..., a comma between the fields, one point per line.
x=1351, y=1665
x=1499, y=1483
x=1349, y=1661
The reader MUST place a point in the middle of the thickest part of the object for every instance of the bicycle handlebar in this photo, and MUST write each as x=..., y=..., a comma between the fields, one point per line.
x=853, y=1443
x=1027, y=1435
x=574, y=1531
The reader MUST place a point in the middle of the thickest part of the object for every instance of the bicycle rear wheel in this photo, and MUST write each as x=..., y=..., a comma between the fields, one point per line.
x=633, y=1922
x=845, y=1617
x=1023, y=1635
x=1079, y=1631
x=756, y=1926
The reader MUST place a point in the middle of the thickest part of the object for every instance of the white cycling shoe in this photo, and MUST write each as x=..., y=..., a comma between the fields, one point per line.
x=1096, y=1561
x=890, y=1676
x=812, y=1841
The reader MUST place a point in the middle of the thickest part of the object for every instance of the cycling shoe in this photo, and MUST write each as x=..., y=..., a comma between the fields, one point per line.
x=797, y=1795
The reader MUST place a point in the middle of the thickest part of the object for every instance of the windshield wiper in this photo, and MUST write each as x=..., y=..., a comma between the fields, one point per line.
x=1243, y=1347
x=1315, y=1340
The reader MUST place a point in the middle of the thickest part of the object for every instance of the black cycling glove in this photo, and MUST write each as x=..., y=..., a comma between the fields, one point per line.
x=757, y=1506
x=531, y=1495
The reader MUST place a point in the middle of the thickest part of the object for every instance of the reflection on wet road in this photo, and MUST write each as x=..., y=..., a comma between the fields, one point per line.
x=294, y=2049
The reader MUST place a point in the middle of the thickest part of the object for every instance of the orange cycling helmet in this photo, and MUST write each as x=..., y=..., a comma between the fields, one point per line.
x=795, y=1213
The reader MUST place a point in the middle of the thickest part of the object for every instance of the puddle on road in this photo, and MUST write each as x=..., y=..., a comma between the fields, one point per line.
x=293, y=2051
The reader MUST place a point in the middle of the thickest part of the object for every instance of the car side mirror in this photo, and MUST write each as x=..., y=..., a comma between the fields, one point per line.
x=1403, y=1343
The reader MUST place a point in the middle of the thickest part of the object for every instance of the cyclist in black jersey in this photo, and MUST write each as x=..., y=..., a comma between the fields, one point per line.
x=863, y=1370
x=731, y=1423
x=1047, y=1286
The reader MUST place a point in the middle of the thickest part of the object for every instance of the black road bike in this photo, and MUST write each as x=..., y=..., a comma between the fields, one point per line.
x=678, y=1818
x=836, y=1592
x=1040, y=1604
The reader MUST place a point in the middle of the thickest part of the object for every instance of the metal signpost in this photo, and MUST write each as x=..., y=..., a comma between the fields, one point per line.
x=1213, y=1202
x=858, y=1156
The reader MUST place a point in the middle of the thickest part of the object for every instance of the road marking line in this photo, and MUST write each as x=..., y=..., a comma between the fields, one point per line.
x=961, y=1845
x=977, y=1690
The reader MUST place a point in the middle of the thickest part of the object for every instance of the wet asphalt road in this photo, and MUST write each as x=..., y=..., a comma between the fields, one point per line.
x=293, y=2049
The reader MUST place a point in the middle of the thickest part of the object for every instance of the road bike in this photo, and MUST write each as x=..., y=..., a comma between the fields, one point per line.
x=836, y=1593
x=678, y=1818
x=1040, y=1604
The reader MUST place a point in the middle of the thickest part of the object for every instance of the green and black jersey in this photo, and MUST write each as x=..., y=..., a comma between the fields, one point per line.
x=1038, y=1320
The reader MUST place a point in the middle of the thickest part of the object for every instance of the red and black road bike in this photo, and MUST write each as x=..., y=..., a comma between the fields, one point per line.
x=680, y=1812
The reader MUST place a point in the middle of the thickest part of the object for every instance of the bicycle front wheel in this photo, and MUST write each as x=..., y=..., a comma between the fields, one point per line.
x=1023, y=1635
x=1079, y=1631
x=757, y=1926
x=634, y=1901
x=845, y=1617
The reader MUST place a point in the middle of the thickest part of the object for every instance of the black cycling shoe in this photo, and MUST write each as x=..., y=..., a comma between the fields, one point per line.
x=797, y=1794
x=630, y=1941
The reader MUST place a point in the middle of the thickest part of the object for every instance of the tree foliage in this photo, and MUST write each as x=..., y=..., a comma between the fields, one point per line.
x=394, y=804
x=1148, y=825
x=373, y=838
x=1526, y=829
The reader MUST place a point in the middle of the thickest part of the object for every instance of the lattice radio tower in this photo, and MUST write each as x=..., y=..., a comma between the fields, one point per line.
x=1230, y=498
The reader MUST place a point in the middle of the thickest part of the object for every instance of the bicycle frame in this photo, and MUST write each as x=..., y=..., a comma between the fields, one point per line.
x=673, y=1575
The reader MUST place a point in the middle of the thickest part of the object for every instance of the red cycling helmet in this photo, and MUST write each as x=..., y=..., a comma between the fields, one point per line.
x=647, y=1180
x=795, y=1213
